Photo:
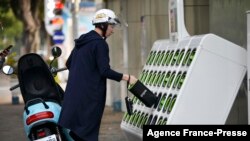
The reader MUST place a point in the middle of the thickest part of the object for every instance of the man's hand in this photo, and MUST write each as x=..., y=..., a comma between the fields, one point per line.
x=5, y=52
x=133, y=79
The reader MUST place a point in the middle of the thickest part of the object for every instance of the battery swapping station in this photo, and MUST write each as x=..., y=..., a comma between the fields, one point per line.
x=196, y=77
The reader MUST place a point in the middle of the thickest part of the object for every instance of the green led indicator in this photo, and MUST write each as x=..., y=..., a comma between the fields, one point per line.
x=186, y=57
x=171, y=79
x=160, y=58
x=149, y=57
x=136, y=118
x=125, y=116
x=148, y=78
x=175, y=57
x=152, y=58
x=134, y=99
x=172, y=104
x=167, y=103
x=156, y=78
x=140, y=120
x=152, y=78
x=191, y=57
x=166, y=79
x=183, y=76
x=170, y=57
x=165, y=58
x=141, y=75
x=164, y=121
x=132, y=118
x=144, y=77
x=159, y=121
x=160, y=79
x=162, y=101
x=156, y=58
x=177, y=79
x=180, y=57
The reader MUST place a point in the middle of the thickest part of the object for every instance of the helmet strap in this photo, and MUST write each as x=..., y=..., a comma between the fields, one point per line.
x=103, y=27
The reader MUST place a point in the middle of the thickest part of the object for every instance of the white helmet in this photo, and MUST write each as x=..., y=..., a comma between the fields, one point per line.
x=105, y=16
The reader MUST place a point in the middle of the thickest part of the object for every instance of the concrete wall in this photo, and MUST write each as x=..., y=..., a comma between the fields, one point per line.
x=197, y=16
x=228, y=19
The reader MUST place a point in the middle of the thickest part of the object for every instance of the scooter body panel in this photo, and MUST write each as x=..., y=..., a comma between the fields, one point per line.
x=38, y=108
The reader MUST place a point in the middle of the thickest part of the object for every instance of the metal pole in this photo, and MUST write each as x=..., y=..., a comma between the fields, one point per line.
x=248, y=63
x=74, y=18
x=125, y=51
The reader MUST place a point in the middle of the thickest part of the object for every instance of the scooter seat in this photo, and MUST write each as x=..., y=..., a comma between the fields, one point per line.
x=36, y=80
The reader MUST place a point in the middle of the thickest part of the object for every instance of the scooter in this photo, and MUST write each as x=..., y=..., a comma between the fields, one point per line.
x=42, y=97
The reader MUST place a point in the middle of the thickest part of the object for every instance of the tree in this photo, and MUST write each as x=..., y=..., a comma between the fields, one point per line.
x=10, y=27
x=27, y=11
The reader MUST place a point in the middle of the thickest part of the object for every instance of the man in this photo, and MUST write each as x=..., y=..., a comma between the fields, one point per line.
x=89, y=69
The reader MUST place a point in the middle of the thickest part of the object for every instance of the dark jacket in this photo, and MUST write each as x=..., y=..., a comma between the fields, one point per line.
x=85, y=94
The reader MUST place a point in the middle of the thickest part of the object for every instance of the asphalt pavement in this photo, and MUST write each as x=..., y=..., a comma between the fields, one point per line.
x=11, y=124
x=11, y=120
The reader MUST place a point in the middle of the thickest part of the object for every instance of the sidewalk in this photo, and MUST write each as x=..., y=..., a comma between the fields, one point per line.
x=5, y=93
x=11, y=126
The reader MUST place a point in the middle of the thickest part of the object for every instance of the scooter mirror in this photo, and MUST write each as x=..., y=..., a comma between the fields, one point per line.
x=56, y=51
x=8, y=70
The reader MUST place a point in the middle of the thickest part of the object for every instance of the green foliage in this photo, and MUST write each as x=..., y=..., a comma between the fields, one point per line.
x=54, y=64
x=4, y=6
x=10, y=27
x=12, y=59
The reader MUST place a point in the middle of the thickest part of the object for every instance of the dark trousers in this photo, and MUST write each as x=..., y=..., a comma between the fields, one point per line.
x=75, y=137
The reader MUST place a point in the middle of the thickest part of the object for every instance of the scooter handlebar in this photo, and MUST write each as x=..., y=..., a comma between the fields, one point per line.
x=58, y=70
x=53, y=71
x=14, y=87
